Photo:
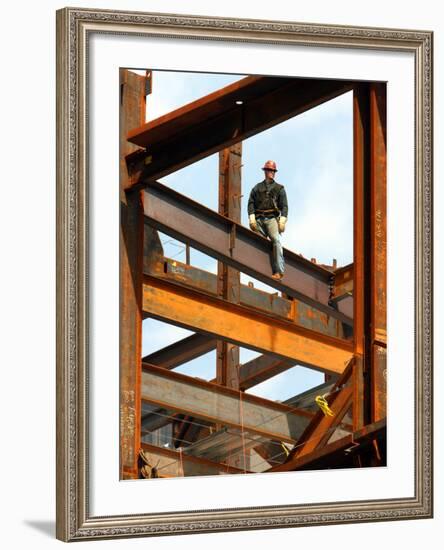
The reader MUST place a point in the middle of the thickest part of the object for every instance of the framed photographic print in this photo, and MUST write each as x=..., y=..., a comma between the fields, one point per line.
x=244, y=274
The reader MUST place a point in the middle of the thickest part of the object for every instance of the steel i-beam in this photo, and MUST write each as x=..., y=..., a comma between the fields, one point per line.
x=225, y=240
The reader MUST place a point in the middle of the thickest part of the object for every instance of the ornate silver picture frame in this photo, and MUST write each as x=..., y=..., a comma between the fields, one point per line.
x=77, y=518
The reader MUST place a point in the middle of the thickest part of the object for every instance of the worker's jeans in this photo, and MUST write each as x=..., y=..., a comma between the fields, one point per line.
x=268, y=227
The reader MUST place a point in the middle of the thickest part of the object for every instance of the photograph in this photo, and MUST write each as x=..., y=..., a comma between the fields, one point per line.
x=224, y=269
x=253, y=266
x=243, y=274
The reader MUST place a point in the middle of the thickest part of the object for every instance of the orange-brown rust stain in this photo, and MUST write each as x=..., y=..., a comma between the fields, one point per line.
x=234, y=326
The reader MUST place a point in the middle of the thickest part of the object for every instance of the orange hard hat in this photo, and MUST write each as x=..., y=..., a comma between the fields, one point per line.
x=270, y=165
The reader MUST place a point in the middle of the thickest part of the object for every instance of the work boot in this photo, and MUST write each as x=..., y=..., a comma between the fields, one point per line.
x=277, y=276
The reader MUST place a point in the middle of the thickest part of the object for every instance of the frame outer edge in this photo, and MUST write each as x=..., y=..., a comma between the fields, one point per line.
x=425, y=286
x=62, y=267
x=73, y=522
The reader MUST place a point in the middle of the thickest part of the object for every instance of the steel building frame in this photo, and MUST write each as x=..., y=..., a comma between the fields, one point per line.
x=326, y=318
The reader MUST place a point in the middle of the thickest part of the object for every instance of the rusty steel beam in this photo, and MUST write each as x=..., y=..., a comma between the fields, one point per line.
x=339, y=453
x=273, y=304
x=181, y=352
x=170, y=463
x=239, y=325
x=205, y=281
x=214, y=403
x=342, y=290
x=319, y=321
x=306, y=399
x=132, y=114
x=227, y=241
x=370, y=252
x=214, y=122
x=378, y=251
x=342, y=282
x=324, y=429
x=224, y=443
x=228, y=278
x=361, y=266
x=208, y=106
x=345, y=306
x=262, y=368
x=152, y=249
x=321, y=428
x=258, y=370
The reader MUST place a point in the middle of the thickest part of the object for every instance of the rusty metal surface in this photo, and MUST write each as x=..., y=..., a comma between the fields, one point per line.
x=132, y=114
x=206, y=281
x=209, y=232
x=222, y=405
x=152, y=250
x=262, y=368
x=207, y=126
x=181, y=352
x=342, y=290
x=320, y=429
x=379, y=383
x=271, y=303
x=378, y=210
x=361, y=259
x=343, y=281
x=306, y=400
x=179, y=464
x=308, y=317
x=221, y=445
x=324, y=429
x=228, y=278
x=378, y=329
x=340, y=453
x=350, y=302
x=345, y=306
x=208, y=106
x=236, y=324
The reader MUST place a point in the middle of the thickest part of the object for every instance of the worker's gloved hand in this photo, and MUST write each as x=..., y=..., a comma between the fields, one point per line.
x=252, y=220
x=281, y=223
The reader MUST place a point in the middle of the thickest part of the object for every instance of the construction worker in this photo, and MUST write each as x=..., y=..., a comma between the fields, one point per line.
x=267, y=214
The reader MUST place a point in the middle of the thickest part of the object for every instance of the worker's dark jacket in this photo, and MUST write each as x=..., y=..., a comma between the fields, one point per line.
x=268, y=199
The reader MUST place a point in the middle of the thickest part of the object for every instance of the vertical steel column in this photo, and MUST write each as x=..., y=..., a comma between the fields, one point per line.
x=370, y=255
x=361, y=160
x=228, y=284
x=378, y=232
x=132, y=115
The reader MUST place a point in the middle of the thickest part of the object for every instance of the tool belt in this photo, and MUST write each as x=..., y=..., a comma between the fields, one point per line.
x=269, y=212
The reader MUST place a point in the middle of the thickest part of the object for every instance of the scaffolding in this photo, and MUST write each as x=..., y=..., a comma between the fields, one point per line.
x=323, y=317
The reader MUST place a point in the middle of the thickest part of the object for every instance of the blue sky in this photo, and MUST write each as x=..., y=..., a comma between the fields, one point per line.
x=313, y=152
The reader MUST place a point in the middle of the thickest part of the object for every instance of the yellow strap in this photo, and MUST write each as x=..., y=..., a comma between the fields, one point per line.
x=287, y=452
x=323, y=405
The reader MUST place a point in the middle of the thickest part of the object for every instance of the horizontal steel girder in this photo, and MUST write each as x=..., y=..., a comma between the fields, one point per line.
x=229, y=242
x=273, y=304
x=333, y=454
x=206, y=281
x=176, y=464
x=242, y=326
x=182, y=351
x=201, y=399
x=262, y=368
x=216, y=121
